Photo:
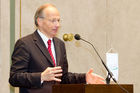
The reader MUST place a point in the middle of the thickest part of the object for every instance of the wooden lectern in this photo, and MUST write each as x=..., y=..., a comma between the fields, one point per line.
x=91, y=88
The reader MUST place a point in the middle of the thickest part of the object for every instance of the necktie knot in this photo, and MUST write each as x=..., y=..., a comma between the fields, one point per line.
x=49, y=42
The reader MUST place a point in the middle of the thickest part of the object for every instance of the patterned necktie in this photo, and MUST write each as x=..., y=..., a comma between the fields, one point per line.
x=50, y=51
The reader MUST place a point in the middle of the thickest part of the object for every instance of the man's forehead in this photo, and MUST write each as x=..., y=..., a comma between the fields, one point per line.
x=50, y=11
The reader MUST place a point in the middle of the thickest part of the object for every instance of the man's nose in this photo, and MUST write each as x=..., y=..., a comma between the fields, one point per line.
x=57, y=24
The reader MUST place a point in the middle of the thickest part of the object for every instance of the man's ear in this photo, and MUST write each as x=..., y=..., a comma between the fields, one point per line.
x=39, y=21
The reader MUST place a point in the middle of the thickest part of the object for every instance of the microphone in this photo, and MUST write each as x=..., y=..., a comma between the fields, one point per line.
x=77, y=36
x=68, y=37
x=110, y=74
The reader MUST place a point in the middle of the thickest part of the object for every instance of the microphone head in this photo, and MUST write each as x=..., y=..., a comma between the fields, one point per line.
x=77, y=37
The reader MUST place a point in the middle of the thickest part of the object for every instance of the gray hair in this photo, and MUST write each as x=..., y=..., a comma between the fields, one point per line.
x=39, y=12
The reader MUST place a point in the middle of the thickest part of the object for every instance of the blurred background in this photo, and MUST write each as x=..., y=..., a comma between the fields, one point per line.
x=105, y=23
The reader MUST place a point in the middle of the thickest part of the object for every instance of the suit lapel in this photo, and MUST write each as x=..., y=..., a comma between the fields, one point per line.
x=57, y=50
x=40, y=44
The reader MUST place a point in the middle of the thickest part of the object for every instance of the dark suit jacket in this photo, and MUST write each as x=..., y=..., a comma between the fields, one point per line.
x=31, y=57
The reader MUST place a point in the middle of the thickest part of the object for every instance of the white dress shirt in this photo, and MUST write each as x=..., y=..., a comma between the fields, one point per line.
x=45, y=40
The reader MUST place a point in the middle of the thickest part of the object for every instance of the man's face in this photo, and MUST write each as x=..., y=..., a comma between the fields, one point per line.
x=50, y=22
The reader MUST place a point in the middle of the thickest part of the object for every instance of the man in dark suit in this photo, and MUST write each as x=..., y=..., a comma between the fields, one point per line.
x=39, y=59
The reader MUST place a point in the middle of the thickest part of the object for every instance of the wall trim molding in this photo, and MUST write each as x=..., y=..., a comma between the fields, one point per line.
x=12, y=32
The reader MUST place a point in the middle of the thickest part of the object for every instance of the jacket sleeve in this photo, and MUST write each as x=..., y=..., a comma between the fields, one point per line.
x=19, y=74
x=68, y=77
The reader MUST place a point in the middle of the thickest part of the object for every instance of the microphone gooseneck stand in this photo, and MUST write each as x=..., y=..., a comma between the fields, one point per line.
x=110, y=74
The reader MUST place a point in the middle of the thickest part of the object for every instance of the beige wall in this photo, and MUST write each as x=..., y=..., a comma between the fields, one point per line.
x=4, y=45
x=104, y=23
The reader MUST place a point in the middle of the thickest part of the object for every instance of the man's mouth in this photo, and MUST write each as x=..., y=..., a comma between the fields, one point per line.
x=55, y=30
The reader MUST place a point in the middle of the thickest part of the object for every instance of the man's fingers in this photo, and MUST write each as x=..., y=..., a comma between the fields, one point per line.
x=56, y=71
x=58, y=75
x=56, y=68
x=101, y=78
x=51, y=73
x=100, y=82
x=57, y=79
x=90, y=71
x=98, y=76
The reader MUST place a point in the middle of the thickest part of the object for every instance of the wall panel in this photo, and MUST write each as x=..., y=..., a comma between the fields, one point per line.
x=105, y=23
x=4, y=45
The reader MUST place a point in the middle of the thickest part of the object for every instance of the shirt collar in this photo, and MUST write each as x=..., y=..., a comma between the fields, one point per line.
x=45, y=38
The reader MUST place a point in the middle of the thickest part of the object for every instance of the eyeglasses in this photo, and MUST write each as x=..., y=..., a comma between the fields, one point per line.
x=52, y=20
